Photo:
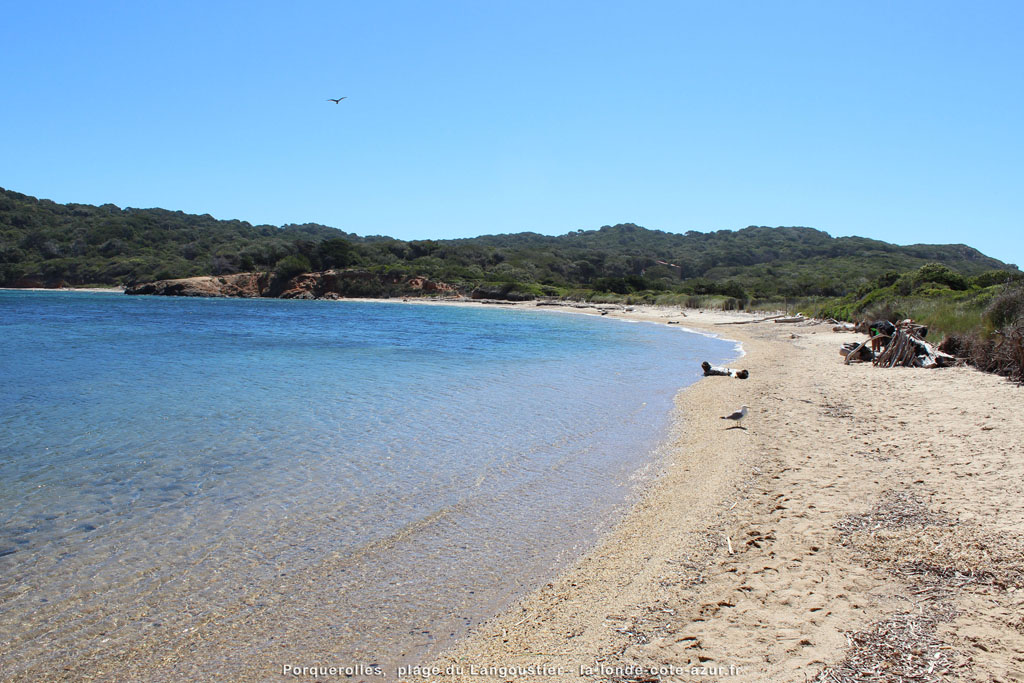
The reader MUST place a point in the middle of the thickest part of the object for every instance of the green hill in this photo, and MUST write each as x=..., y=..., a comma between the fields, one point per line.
x=45, y=243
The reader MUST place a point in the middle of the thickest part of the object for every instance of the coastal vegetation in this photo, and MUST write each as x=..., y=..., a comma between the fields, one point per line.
x=47, y=244
x=933, y=294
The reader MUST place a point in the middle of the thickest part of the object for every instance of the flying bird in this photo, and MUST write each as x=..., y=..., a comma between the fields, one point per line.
x=736, y=417
x=336, y=101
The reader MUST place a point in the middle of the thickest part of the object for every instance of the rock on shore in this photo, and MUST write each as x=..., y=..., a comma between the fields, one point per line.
x=328, y=284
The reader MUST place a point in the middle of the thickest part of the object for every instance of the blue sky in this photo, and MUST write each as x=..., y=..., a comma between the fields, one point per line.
x=902, y=121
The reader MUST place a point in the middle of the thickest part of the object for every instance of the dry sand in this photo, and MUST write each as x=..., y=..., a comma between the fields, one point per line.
x=867, y=525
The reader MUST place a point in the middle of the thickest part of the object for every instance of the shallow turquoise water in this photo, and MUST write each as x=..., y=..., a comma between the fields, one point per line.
x=358, y=481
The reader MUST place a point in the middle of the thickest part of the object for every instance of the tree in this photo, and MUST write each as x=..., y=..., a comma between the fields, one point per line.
x=336, y=253
x=292, y=265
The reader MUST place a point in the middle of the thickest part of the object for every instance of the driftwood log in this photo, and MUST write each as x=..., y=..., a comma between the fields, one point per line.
x=856, y=351
x=747, y=322
x=710, y=369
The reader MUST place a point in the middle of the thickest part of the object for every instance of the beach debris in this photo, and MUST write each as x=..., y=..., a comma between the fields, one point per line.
x=940, y=553
x=902, y=343
x=804, y=320
x=838, y=409
x=902, y=647
x=909, y=350
x=736, y=417
x=843, y=326
x=721, y=371
x=759, y=320
x=605, y=308
x=854, y=351
x=940, y=559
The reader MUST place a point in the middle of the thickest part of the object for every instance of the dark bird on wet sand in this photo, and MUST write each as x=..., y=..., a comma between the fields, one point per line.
x=336, y=101
x=736, y=417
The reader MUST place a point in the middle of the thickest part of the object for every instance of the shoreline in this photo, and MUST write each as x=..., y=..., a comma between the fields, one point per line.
x=799, y=546
x=606, y=565
x=104, y=290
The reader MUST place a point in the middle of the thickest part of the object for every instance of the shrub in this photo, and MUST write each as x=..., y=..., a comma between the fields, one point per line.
x=940, y=274
x=166, y=274
x=335, y=253
x=904, y=285
x=290, y=266
x=993, y=277
x=222, y=265
x=1001, y=353
x=508, y=291
x=884, y=310
x=733, y=304
x=1006, y=308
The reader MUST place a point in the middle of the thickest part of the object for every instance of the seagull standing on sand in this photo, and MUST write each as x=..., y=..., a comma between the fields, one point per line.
x=736, y=417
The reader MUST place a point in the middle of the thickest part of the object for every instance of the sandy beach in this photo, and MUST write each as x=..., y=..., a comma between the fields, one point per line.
x=868, y=524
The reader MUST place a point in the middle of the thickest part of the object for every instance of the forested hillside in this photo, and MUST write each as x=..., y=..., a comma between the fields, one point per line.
x=45, y=243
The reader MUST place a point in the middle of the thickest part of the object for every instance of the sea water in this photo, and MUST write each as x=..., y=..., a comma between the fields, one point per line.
x=224, y=487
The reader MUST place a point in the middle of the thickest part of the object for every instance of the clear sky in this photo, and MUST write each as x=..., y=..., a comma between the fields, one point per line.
x=902, y=121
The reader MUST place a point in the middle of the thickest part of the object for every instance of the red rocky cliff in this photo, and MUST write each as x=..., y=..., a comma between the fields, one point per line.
x=329, y=284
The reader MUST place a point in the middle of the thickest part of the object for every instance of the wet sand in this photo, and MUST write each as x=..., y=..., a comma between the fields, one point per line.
x=866, y=524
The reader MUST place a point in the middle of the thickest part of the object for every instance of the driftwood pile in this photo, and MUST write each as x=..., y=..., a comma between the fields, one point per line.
x=907, y=349
x=904, y=346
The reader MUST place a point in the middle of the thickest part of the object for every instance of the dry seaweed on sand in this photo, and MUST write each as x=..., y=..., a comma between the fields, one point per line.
x=929, y=549
x=902, y=647
x=895, y=509
x=938, y=559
